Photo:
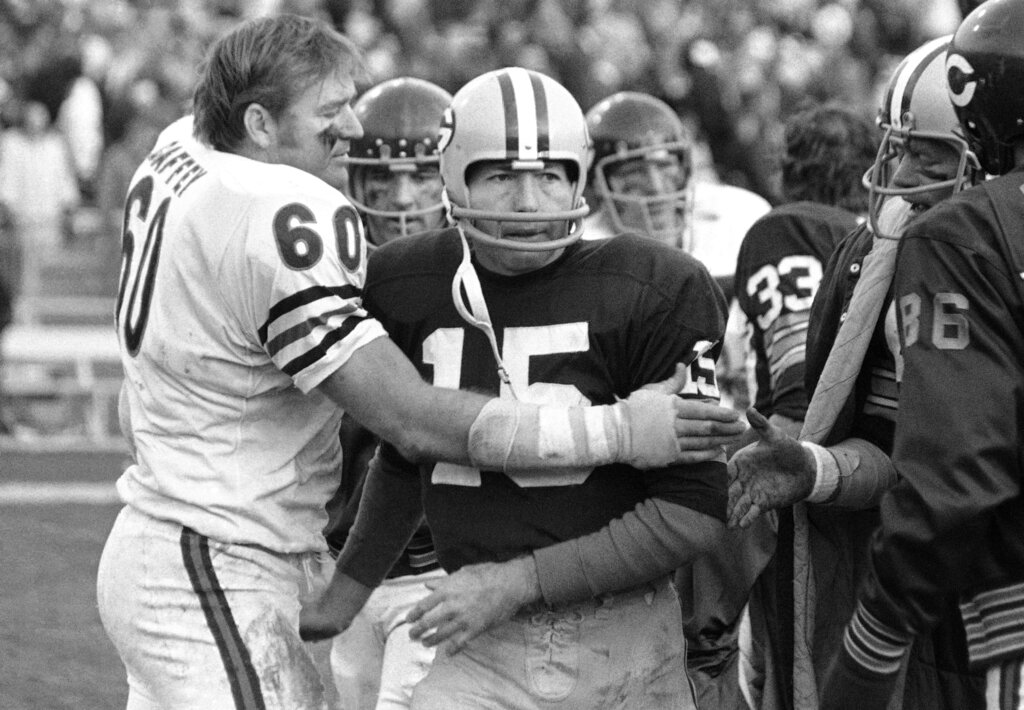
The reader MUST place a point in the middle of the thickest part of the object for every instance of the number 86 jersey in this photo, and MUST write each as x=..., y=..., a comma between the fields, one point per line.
x=240, y=292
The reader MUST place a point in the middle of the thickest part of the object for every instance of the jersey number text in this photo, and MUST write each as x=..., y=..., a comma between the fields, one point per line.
x=443, y=350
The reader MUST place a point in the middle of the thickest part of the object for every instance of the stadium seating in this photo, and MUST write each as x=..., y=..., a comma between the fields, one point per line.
x=60, y=383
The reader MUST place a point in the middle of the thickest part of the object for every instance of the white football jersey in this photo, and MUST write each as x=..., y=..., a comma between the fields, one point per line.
x=722, y=214
x=240, y=292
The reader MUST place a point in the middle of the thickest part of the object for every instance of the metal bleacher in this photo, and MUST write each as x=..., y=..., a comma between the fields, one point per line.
x=60, y=371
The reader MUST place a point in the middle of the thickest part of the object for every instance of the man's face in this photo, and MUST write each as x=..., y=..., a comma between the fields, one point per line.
x=495, y=186
x=411, y=194
x=643, y=181
x=924, y=162
x=313, y=132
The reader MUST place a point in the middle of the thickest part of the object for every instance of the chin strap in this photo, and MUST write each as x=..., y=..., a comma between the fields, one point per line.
x=469, y=302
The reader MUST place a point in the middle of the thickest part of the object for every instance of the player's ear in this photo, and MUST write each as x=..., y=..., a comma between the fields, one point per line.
x=260, y=126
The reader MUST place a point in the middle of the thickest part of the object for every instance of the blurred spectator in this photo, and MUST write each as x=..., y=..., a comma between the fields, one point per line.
x=39, y=188
x=80, y=116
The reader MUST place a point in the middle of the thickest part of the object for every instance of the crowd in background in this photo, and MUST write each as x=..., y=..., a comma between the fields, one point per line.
x=110, y=74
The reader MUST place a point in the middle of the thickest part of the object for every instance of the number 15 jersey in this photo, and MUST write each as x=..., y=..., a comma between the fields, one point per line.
x=240, y=292
x=603, y=319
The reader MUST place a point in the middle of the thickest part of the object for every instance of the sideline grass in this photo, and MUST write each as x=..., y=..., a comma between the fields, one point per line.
x=55, y=655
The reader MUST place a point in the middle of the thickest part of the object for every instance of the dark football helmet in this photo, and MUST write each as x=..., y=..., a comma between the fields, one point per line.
x=985, y=73
x=630, y=126
x=516, y=115
x=401, y=119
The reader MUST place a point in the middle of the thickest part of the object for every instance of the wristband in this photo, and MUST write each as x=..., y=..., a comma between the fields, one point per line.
x=826, y=474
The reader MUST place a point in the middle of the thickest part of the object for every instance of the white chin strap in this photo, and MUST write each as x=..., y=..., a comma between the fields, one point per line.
x=469, y=302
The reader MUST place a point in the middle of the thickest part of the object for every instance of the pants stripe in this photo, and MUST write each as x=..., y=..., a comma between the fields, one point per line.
x=1009, y=684
x=245, y=684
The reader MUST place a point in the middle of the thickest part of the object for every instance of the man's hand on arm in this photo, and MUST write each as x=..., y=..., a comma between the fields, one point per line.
x=702, y=427
x=471, y=600
x=775, y=472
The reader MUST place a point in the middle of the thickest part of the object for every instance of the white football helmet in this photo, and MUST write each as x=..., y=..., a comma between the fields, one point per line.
x=916, y=106
x=516, y=115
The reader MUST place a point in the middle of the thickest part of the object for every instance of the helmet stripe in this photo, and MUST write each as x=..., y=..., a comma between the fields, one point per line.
x=508, y=101
x=522, y=120
x=906, y=81
x=541, y=99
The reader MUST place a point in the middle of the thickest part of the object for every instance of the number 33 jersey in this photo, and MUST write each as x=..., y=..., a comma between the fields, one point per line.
x=240, y=292
x=602, y=320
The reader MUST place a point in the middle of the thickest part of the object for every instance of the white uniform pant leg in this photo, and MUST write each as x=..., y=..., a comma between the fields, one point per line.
x=406, y=661
x=205, y=624
x=375, y=663
x=625, y=651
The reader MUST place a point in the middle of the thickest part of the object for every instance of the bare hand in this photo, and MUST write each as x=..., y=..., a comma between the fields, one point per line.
x=772, y=473
x=703, y=428
x=470, y=601
x=333, y=612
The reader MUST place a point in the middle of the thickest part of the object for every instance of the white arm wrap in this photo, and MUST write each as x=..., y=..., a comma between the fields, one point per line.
x=516, y=436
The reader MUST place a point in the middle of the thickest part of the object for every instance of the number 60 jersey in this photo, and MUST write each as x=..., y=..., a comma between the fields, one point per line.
x=240, y=292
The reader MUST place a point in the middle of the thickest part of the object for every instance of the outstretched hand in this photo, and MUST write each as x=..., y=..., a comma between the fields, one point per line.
x=773, y=472
x=471, y=600
x=702, y=427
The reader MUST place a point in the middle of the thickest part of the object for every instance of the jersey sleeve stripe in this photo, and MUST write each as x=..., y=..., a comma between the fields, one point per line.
x=305, y=297
x=874, y=645
x=303, y=329
x=334, y=335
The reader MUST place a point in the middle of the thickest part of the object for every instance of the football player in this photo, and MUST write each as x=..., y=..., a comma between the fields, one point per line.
x=395, y=184
x=558, y=592
x=828, y=148
x=951, y=525
x=394, y=181
x=842, y=480
x=243, y=337
x=643, y=177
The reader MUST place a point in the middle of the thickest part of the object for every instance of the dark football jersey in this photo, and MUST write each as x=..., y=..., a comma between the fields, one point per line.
x=871, y=412
x=778, y=272
x=953, y=522
x=839, y=537
x=604, y=319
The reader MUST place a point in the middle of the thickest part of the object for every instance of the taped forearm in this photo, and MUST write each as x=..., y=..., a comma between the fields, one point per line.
x=390, y=512
x=650, y=541
x=516, y=436
x=852, y=474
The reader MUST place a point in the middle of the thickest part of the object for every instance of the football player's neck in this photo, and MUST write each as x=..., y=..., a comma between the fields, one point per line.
x=507, y=262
